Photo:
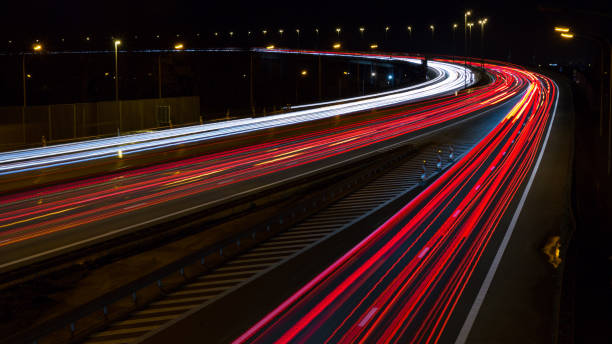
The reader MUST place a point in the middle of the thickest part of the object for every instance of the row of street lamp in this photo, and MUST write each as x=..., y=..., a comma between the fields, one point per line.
x=179, y=46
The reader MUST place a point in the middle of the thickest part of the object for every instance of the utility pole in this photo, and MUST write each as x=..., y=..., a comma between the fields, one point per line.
x=320, y=81
x=159, y=76
x=468, y=13
x=251, y=86
x=23, y=109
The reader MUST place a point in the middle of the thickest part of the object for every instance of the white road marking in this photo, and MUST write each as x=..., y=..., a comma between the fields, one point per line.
x=469, y=321
x=368, y=316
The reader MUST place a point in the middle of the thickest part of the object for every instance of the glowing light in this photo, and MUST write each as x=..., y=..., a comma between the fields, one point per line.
x=117, y=42
x=561, y=29
x=567, y=35
x=373, y=46
x=337, y=45
x=179, y=46
x=37, y=47
x=271, y=46
x=304, y=72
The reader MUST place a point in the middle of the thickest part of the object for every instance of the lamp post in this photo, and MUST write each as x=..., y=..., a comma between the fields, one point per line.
x=432, y=28
x=387, y=28
x=37, y=48
x=362, y=30
x=338, y=31
x=470, y=25
x=482, y=23
x=409, y=32
x=454, y=45
x=465, y=28
x=117, y=43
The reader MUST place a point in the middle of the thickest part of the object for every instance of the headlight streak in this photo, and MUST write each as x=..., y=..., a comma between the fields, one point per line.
x=402, y=283
x=450, y=78
x=152, y=186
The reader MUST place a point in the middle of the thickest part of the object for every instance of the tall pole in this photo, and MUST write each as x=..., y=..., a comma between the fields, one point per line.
x=23, y=79
x=481, y=22
x=159, y=76
x=601, y=91
x=116, y=73
x=251, y=100
x=465, y=45
x=117, y=43
x=320, y=81
x=23, y=83
x=454, y=43
x=610, y=117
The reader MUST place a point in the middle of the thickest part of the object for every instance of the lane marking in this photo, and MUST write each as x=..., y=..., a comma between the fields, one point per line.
x=423, y=252
x=469, y=321
x=134, y=206
x=368, y=316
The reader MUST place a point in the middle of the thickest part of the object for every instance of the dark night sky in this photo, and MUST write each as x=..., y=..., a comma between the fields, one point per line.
x=518, y=28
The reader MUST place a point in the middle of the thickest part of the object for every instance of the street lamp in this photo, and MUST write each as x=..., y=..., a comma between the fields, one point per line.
x=470, y=37
x=338, y=31
x=361, y=30
x=280, y=31
x=409, y=31
x=117, y=43
x=482, y=23
x=454, y=45
x=467, y=14
x=432, y=28
x=387, y=28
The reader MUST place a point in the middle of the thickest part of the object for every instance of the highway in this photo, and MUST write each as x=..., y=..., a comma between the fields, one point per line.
x=449, y=78
x=47, y=222
x=416, y=278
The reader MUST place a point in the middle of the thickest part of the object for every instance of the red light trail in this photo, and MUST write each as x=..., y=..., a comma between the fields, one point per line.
x=403, y=282
x=40, y=213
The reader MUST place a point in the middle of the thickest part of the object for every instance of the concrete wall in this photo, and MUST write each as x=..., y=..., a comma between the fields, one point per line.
x=58, y=122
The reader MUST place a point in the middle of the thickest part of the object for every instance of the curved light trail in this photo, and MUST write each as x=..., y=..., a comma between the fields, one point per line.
x=449, y=78
x=86, y=210
x=402, y=283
